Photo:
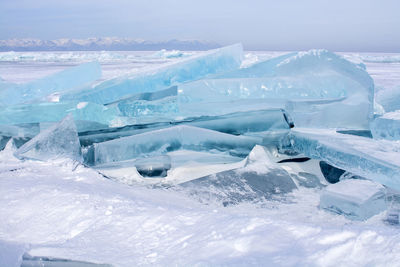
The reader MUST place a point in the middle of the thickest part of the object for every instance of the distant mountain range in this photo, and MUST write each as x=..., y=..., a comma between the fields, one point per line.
x=107, y=43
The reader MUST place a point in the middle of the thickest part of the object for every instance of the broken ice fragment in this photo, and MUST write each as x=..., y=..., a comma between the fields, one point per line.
x=326, y=90
x=377, y=160
x=353, y=198
x=269, y=124
x=59, y=82
x=54, y=112
x=58, y=141
x=387, y=126
x=170, y=139
x=389, y=98
x=259, y=179
x=188, y=69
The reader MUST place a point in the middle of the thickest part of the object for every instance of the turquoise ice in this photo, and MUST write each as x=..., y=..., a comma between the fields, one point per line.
x=38, y=90
x=318, y=88
x=161, y=141
x=377, y=160
x=150, y=80
x=269, y=124
x=83, y=112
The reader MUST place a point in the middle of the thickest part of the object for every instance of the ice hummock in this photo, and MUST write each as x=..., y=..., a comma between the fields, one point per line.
x=259, y=179
x=387, y=126
x=161, y=141
x=37, y=90
x=59, y=141
x=188, y=69
x=354, y=198
x=377, y=160
x=320, y=88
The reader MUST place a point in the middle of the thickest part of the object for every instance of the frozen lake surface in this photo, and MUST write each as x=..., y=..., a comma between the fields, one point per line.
x=63, y=210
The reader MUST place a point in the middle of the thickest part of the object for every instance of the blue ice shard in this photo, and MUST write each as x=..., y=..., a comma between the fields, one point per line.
x=84, y=113
x=259, y=179
x=159, y=142
x=56, y=83
x=354, y=198
x=188, y=69
x=387, y=126
x=319, y=89
x=269, y=124
x=59, y=141
x=377, y=160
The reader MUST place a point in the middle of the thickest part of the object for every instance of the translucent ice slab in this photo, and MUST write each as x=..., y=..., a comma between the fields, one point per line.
x=387, y=126
x=389, y=98
x=59, y=82
x=188, y=69
x=20, y=130
x=259, y=179
x=59, y=141
x=356, y=199
x=269, y=124
x=53, y=112
x=170, y=139
x=323, y=82
x=377, y=160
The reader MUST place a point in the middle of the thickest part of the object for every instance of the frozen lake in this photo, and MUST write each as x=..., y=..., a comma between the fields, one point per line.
x=58, y=209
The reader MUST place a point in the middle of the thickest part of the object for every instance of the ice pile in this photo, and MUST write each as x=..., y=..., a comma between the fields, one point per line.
x=213, y=125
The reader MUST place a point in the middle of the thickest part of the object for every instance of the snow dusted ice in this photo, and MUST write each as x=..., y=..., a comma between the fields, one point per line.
x=200, y=158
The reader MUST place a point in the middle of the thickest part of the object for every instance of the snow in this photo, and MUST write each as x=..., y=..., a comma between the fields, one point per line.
x=68, y=211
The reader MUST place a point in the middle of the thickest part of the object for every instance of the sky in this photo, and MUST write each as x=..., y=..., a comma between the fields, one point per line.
x=340, y=25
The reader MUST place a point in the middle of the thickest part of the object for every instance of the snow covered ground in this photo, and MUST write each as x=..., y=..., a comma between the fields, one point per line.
x=64, y=210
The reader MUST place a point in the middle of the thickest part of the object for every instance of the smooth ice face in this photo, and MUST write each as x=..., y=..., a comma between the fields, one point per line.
x=270, y=125
x=313, y=86
x=53, y=112
x=166, y=140
x=356, y=199
x=389, y=98
x=387, y=126
x=58, y=141
x=188, y=69
x=259, y=179
x=56, y=83
x=377, y=160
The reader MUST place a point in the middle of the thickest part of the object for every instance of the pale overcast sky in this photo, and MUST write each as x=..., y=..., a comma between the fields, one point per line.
x=341, y=25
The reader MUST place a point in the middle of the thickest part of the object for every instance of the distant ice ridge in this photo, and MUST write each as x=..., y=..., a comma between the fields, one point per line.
x=100, y=56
